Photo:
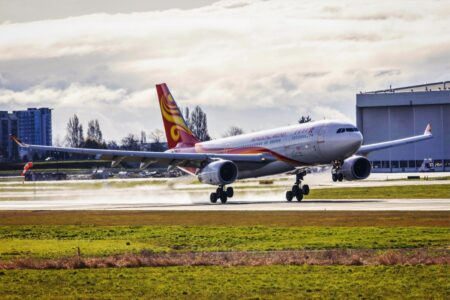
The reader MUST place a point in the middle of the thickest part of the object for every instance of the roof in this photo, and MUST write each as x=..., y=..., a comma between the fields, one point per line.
x=426, y=87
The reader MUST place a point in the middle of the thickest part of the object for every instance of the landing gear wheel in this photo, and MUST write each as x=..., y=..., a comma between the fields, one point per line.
x=213, y=197
x=223, y=198
x=305, y=189
x=340, y=177
x=295, y=190
x=299, y=196
x=334, y=177
x=230, y=192
x=289, y=196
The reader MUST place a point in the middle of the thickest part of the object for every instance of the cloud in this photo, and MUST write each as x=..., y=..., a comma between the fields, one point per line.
x=267, y=61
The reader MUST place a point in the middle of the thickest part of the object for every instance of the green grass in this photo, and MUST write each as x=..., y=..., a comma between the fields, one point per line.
x=267, y=282
x=60, y=241
x=432, y=191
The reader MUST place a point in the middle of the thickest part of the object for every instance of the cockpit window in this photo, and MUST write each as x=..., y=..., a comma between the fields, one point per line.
x=340, y=130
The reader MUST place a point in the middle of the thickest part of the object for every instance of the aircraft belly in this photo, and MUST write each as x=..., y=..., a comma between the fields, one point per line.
x=273, y=168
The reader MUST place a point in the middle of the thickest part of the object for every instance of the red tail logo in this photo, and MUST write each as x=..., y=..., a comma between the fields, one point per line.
x=177, y=131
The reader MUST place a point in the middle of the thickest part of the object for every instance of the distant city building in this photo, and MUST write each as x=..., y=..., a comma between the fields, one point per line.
x=401, y=112
x=8, y=125
x=33, y=126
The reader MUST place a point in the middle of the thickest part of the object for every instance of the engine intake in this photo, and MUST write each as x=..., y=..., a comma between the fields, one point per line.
x=356, y=168
x=219, y=172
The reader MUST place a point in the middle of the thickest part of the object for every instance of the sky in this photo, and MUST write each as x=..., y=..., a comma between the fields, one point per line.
x=248, y=63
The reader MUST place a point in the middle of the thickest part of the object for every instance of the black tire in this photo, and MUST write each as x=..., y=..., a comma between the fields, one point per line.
x=305, y=189
x=334, y=177
x=223, y=198
x=340, y=177
x=295, y=190
x=289, y=196
x=230, y=192
x=299, y=196
x=213, y=197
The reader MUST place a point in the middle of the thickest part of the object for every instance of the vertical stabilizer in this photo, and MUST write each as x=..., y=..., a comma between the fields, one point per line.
x=178, y=133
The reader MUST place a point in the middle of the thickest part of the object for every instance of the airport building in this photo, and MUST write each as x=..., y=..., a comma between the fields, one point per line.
x=402, y=112
x=33, y=126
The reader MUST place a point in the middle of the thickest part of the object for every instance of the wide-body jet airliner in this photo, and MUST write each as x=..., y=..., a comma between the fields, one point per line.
x=291, y=149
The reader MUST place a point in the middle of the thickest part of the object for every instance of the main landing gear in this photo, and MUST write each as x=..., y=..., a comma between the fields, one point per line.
x=298, y=190
x=222, y=194
x=336, y=171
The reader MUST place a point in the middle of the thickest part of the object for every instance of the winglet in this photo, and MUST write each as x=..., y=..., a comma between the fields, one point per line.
x=18, y=142
x=428, y=130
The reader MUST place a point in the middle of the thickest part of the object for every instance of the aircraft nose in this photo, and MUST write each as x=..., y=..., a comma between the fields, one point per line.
x=357, y=139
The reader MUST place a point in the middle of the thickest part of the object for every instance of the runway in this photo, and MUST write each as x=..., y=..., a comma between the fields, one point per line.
x=234, y=205
x=183, y=196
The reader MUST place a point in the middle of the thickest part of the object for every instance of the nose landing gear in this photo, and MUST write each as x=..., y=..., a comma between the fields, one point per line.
x=222, y=194
x=298, y=190
x=336, y=171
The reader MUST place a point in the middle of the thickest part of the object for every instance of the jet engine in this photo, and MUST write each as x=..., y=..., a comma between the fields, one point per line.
x=219, y=172
x=356, y=168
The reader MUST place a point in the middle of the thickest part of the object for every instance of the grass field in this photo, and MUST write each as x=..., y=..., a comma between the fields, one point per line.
x=52, y=237
x=60, y=241
x=265, y=282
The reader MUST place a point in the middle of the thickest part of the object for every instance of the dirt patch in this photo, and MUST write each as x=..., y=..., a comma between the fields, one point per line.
x=234, y=218
x=304, y=257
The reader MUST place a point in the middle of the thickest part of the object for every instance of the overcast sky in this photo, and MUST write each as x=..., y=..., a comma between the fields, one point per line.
x=254, y=64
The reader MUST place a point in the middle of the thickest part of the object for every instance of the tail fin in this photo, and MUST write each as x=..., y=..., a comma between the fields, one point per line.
x=177, y=131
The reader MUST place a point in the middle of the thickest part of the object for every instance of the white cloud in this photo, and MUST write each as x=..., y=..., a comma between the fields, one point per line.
x=235, y=56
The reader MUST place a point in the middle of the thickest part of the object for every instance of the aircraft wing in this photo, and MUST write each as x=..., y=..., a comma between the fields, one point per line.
x=365, y=149
x=146, y=158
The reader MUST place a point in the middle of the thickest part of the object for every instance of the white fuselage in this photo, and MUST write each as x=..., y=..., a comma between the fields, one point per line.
x=305, y=144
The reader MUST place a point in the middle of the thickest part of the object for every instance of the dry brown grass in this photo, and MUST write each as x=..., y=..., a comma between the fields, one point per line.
x=305, y=257
x=229, y=218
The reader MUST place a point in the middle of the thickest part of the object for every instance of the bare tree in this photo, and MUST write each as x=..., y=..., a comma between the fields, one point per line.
x=112, y=145
x=93, y=132
x=233, y=130
x=186, y=116
x=130, y=142
x=143, y=137
x=90, y=134
x=198, y=124
x=304, y=119
x=156, y=135
x=74, y=136
x=98, y=132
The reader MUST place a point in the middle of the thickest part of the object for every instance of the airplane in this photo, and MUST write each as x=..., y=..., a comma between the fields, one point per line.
x=285, y=150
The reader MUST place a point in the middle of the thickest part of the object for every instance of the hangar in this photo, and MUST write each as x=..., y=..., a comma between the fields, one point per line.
x=401, y=112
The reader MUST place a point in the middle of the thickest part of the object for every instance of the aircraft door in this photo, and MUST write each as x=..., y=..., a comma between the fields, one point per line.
x=321, y=138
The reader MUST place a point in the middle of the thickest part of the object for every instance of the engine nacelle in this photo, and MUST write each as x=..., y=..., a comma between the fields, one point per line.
x=219, y=172
x=356, y=168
